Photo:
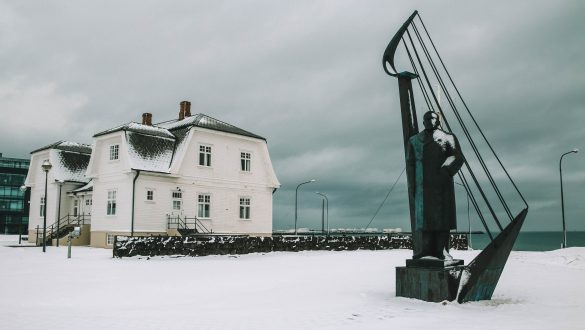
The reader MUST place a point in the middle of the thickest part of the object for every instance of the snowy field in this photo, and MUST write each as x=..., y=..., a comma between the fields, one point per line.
x=284, y=290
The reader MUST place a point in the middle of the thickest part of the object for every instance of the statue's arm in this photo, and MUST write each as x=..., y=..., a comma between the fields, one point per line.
x=454, y=159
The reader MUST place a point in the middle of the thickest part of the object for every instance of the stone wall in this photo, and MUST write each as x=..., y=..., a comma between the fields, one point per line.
x=126, y=246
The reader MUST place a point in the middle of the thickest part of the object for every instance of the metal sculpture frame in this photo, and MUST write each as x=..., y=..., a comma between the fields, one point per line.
x=477, y=280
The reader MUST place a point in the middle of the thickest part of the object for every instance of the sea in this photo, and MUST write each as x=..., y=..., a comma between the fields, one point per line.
x=535, y=240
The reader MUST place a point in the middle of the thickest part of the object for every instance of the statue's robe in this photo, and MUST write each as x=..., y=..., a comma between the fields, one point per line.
x=433, y=159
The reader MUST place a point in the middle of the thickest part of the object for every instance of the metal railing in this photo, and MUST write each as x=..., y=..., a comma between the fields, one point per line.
x=63, y=226
x=187, y=225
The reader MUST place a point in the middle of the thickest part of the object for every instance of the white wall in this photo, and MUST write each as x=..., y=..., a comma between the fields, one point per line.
x=225, y=163
x=36, y=180
x=100, y=163
x=225, y=203
x=121, y=221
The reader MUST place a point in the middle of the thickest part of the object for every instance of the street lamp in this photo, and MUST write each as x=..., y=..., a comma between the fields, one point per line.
x=46, y=167
x=23, y=190
x=296, y=200
x=60, y=182
x=322, y=225
x=564, y=244
x=468, y=218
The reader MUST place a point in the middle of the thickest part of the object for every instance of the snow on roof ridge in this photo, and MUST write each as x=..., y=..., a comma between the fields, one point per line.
x=73, y=144
x=205, y=121
x=66, y=144
x=176, y=123
x=146, y=128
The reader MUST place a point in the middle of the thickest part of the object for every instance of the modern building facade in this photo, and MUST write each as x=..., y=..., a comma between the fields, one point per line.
x=14, y=207
x=192, y=174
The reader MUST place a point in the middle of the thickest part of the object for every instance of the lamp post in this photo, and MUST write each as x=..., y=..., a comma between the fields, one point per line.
x=23, y=190
x=46, y=167
x=468, y=218
x=564, y=244
x=326, y=199
x=296, y=200
x=60, y=182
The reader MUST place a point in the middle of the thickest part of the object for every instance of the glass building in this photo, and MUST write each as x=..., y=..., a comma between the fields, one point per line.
x=13, y=201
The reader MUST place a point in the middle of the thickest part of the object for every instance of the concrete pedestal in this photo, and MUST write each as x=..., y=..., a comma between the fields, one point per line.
x=432, y=284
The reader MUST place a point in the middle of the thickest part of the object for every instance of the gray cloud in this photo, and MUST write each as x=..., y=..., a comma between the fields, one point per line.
x=307, y=76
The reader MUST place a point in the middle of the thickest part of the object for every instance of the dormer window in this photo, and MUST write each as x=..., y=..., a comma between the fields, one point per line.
x=204, y=155
x=114, y=151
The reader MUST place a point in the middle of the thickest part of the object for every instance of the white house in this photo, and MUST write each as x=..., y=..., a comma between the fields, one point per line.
x=193, y=173
x=69, y=162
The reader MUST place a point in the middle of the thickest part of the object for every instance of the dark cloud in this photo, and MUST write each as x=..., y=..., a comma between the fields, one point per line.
x=307, y=76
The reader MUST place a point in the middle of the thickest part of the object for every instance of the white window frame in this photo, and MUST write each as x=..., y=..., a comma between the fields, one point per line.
x=114, y=152
x=204, y=159
x=245, y=161
x=204, y=200
x=245, y=207
x=111, y=202
x=42, y=210
x=88, y=202
x=151, y=199
x=176, y=200
x=110, y=238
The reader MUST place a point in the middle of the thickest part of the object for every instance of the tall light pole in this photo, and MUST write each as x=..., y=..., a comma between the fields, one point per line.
x=468, y=218
x=23, y=190
x=327, y=199
x=46, y=167
x=564, y=244
x=60, y=182
x=296, y=200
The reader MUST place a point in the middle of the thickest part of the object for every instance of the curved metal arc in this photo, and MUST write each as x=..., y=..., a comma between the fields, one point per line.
x=388, y=57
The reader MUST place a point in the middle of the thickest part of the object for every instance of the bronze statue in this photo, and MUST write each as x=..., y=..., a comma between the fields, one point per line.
x=433, y=157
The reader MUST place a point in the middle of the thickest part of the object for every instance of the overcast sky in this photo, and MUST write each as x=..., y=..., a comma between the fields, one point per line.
x=306, y=75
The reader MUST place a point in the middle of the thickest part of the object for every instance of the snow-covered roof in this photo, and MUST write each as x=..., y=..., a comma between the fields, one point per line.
x=67, y=146
x=69, y=166
x=69, y=160
x=150, y=152
x=205, y=121
x=152, y=148
x=87, y=187
x=138, y=128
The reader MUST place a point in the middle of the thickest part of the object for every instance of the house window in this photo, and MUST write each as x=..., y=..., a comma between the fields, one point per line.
x=75, y=207
x=42, y=211
x=114, y=150
x=204, y=206
x=150, y=195
x=205, y=155
x=88, y=202
x=111, y=207
x=245, y=161
x=110, y=239
x=177, y=199
x=244, y=208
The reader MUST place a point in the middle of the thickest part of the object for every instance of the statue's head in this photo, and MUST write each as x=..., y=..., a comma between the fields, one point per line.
x=431, y=120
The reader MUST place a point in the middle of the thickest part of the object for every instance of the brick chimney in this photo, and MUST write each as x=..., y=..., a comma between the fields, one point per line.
x=147, y=119
x=184, y=110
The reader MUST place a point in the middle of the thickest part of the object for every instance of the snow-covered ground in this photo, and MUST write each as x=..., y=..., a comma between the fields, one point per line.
x=306, y=290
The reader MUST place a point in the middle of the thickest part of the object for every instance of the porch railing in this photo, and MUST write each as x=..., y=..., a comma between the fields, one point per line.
x=187, y=225
x=63, y=226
